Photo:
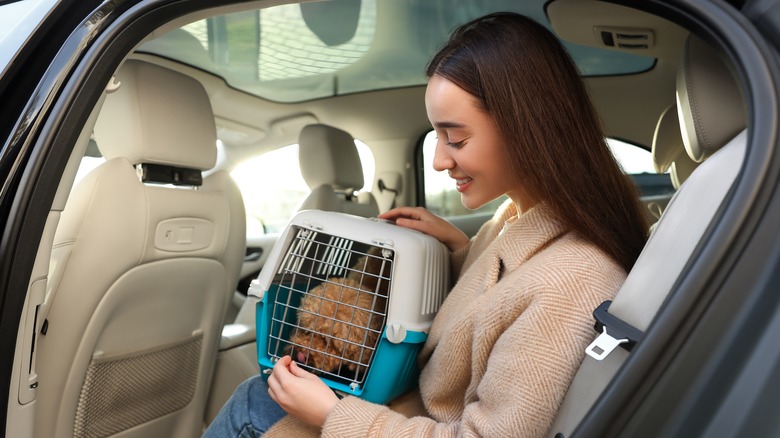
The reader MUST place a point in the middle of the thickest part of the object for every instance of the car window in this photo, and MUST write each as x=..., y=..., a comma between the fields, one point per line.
x=91, y=160
x=307, y=54
x=88, y=164
x=638, y=163
x=17, y=22
x=443, y=199
x=272, y=186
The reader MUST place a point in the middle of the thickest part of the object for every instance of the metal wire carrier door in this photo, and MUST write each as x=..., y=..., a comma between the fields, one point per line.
x=331, y=305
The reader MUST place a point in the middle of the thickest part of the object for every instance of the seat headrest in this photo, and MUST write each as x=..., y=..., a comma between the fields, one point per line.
x=157, y=116
x=709, y=103
x=668, y=150
x=328, y=155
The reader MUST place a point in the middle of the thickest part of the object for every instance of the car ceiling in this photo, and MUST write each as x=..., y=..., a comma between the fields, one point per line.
x=251, y=125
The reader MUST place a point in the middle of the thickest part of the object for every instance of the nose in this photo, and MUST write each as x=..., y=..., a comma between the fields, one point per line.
x=441, y=157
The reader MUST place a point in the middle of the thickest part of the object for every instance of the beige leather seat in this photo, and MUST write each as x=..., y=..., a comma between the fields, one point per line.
x=668, y=156
x=141, y=273
x=712, y=122
x=331, y=167
x=668, y=149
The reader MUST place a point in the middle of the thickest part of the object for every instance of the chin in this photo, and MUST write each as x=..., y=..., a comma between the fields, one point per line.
x=472, y=203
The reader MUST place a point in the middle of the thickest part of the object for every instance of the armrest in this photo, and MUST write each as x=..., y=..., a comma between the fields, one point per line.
x=234, y=335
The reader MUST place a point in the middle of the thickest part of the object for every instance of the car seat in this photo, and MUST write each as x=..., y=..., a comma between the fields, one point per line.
x=331, y=167
x=146, y=257
x=668, y=149
x=712, y=122
x=669, y=156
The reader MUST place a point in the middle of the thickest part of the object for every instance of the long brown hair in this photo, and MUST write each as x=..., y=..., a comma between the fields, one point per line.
x=528, y=83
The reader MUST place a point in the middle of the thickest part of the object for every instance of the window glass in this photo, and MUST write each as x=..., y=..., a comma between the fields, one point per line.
x=638, y=163
x=272, y=186
x=443, y=199
x=91, y=159
x=17, y=21
x=88, y=164
x=632, y=159
x=297, y=52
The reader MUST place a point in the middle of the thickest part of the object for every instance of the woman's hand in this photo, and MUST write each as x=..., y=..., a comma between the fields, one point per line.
x=420, y=219
x=300, y=393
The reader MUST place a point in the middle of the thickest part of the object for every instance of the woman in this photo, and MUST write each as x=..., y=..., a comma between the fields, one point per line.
x=512, y=117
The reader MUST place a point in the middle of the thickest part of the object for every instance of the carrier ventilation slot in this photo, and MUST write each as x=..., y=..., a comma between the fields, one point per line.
x=336, y=257
x=296, y=256
x=436, y=291
x=330, y=256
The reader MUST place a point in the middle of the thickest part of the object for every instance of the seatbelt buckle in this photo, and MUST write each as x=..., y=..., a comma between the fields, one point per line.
x=613, y=333
x=603, y=345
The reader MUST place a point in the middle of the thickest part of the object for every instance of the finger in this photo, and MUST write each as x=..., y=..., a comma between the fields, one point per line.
x=392, y=216
x=276, y=385
x=272, y=393
x=414, y=224
x=297, y=371
x=284, y=361
x=282, y=364
x=281, y=370
x=409, y=212
x=425, y=226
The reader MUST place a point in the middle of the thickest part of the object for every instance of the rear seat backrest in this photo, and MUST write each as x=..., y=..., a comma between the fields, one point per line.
x=712, y=119
x=331, y=167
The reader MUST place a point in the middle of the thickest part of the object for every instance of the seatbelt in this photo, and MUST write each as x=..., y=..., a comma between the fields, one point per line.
x=388, y=186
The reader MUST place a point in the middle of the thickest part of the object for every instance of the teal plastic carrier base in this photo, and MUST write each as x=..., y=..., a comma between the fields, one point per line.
x=392, y=371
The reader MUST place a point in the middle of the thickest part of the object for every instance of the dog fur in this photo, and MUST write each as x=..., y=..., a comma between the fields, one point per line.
x=340, y=320
x=366, y=271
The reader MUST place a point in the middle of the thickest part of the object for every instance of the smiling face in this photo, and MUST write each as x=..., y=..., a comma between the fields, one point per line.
x=469, y=146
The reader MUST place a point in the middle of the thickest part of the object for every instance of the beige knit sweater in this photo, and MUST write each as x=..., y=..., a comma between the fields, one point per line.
x=505, y=344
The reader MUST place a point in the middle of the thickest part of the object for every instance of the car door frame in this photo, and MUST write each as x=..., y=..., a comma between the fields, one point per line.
x=59, y=75
x=687, y=377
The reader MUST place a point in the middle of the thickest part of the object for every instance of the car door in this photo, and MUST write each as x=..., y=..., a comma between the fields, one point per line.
x=708, y=363
x=37, y=55
x=48, y=88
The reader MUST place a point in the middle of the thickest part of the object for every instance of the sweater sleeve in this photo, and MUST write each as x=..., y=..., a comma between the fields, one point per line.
x=527, y=374
x=354, y=417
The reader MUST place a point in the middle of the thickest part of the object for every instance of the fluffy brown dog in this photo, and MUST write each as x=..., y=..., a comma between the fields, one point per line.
x=372, y=272
x=339, y=321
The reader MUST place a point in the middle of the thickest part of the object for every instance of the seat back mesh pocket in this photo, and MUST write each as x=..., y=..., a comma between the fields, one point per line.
x=123, y=391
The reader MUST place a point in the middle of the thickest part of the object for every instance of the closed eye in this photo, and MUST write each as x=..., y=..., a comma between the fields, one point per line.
x=456, y=145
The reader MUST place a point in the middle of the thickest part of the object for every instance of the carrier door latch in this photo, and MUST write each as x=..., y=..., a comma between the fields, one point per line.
x=613, y=333
x=395, y=332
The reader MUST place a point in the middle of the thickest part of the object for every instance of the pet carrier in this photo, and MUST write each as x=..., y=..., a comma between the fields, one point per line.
x=350, y=299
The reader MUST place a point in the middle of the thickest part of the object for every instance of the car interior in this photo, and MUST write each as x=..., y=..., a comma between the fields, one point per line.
x=223, y=123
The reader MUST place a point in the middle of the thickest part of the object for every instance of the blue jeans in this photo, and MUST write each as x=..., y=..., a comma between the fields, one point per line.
x=249, y=412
